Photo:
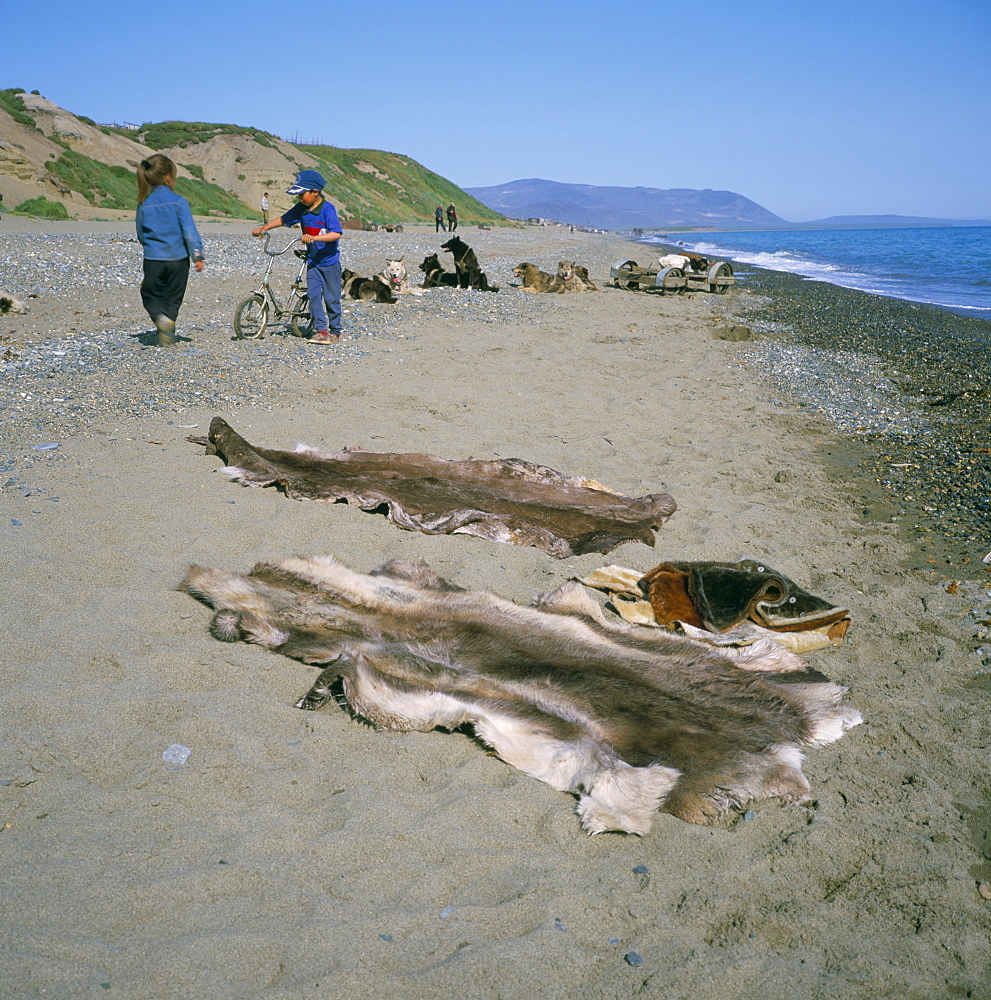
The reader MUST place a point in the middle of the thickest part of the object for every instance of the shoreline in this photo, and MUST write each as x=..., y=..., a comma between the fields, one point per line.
x=307, y=855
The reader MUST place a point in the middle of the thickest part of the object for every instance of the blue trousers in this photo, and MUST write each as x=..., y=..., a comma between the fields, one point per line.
x=323, y=285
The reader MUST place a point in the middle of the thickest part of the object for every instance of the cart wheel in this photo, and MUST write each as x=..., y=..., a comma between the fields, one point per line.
x=678, y=283
x=717, y=271
x=301, y=322
x=251, y=318
x=622, y=270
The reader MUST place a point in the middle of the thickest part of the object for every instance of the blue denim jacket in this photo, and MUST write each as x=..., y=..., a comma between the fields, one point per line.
x=165, y=226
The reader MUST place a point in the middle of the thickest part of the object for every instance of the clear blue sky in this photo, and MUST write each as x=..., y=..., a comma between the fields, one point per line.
x=809, y=108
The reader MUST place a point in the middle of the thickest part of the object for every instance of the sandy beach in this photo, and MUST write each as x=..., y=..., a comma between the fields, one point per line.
x=306, y=855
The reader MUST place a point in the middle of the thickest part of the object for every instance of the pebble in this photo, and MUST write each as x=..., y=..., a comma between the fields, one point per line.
x=876, y=367
x=177, y=754
x=632, y=958
x=446, y=912
x=641, y=870
x=75, y=379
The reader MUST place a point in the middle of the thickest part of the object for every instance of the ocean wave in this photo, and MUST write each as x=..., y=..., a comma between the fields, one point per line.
x=896, y=264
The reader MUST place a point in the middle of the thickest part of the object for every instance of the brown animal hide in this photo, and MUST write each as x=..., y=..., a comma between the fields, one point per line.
x=508, y=500
x=719, y=596
x=630, y=720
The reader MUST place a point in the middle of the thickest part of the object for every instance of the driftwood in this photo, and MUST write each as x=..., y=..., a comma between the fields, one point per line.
x=506, y=500
x=630, y=720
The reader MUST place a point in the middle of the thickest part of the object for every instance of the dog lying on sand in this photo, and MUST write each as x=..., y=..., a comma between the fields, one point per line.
x=11, y=304
x=354, y=286
x=434, y=274
x=575, y=278
x=629, y=720
x=396, y=277
x=535, y=280
x=470, y=274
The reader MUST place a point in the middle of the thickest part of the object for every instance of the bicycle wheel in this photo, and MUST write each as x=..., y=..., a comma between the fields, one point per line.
x=301, y=321
x=251, y=318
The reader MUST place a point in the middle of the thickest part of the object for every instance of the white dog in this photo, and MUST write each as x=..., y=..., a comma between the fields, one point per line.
x=396, y=277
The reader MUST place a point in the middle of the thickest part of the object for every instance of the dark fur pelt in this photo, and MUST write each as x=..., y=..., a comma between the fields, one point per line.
x=470, y=273
x=630, y=720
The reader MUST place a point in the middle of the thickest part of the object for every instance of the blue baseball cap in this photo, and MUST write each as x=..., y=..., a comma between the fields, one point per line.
x=307, y=180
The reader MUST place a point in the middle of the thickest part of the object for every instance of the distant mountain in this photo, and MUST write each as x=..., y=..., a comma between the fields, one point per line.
x=625, y=207
x=887, y=222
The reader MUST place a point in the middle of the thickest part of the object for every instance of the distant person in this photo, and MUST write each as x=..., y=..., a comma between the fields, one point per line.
x=1, y=206
x=321, y=233
x=169, y=236
x=264, y=208
x=439, y=226
x=452, y=218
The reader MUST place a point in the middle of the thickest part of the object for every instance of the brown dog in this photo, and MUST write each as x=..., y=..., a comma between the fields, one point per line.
x=535, y=280
x=575, y=278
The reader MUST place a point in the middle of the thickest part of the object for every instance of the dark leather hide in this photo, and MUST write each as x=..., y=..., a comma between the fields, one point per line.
x=718, y=596
x=506, y=500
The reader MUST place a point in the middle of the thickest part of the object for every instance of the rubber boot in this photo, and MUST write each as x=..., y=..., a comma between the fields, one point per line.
x=166, y=339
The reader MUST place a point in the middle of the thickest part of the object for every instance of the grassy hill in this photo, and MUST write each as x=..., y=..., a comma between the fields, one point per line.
x=59, y=164
x=378, y=187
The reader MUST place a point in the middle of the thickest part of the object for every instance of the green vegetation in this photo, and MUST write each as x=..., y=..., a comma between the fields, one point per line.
x=379, y=187
x=99, y=183
x=13, y=104
x=117, y=187
x=42, y=208
x=165, y=135
x=208, y=199
x=195, y=169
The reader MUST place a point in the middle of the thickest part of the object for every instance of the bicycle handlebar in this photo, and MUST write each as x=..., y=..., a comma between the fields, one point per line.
x=278, y=253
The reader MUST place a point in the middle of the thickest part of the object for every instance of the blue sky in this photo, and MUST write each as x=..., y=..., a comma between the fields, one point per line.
x=810, y=109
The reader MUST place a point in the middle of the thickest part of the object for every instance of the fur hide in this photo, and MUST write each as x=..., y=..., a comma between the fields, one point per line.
x=507, y=500
x=629, y=720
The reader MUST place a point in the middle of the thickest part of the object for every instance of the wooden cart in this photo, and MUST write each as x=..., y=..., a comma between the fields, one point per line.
x=628, y=274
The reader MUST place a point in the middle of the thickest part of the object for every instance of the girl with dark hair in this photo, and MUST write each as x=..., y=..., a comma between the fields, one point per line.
x=168, y=234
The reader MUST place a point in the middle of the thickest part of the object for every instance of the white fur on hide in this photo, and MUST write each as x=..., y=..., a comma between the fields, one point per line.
x=629, y=720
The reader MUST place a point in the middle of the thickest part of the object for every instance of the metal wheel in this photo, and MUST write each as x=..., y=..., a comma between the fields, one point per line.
x=621, y=274
x=301, y=322
x=717, y=271
x=251, y=318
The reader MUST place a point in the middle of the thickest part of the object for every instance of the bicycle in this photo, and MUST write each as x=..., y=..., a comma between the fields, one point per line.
x=251, y=318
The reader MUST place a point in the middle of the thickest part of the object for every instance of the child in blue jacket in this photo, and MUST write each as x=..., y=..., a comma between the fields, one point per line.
x=322, y=234
x=168, y=234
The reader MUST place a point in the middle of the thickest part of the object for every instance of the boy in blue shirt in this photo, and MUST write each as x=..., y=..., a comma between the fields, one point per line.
x=321, y=234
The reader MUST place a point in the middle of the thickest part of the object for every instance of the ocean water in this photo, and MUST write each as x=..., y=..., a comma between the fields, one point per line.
x=944, y=267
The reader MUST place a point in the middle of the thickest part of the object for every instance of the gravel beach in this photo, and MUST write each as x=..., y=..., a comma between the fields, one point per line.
x=307, y=855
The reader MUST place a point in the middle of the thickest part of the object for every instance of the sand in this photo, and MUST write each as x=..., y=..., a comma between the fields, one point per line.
x=305, y=855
